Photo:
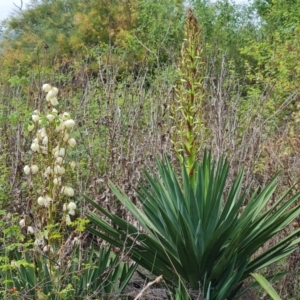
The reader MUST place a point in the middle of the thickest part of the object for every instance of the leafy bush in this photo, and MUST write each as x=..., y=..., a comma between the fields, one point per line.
x=191, y=231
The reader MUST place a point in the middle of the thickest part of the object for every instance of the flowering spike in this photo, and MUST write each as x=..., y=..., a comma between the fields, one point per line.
x=50, y=145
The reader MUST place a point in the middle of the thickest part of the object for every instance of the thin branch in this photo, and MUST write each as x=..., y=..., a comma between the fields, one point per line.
x=140, y=294
x=19, y=7
x=149, y=50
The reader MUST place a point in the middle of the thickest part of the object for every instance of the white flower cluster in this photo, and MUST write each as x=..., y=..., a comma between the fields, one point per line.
x=51, y=141
x=52, y=93
x=33, y=169
x=30, y=229
x=71, y=211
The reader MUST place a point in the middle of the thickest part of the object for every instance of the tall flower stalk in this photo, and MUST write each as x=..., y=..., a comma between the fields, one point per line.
x=48, y=174
x=186, y=110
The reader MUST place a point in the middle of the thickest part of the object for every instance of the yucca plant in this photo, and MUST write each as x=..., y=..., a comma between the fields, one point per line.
x=192, y=231
x=99, y=273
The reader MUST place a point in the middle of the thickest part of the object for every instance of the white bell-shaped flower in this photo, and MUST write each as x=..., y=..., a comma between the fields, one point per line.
x=55, y=151
x=66, y=137
x=41, y=200
x=66, y=116
x=52, y=93
x=45, y=141
x=62, y=152
x=71, y=212
x=68, y=191
x=30, y=230
x=55, y=90
x=62, y=170
x=54, y=101
x=41, y=133
x=47, y=201
x=57, y=181
x=59, y=160
x=22, y=223
x=35, y=147
x=56, y=169
x=48, y=171
x=69, y=124
x=50, y=117
x=34, y=169
x=68, y=220
x=30, y=127
x=35, y=118
x=72, y=142
x=72, y=206
x=27, y=170
x=46, y=87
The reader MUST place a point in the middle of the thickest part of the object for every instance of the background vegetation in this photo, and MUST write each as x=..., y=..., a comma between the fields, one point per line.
x=116, y=66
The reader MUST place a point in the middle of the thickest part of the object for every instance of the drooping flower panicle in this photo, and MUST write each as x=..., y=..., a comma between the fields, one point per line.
x=49, y=147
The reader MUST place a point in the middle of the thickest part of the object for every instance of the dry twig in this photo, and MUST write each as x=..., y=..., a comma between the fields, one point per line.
x=158, y=279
